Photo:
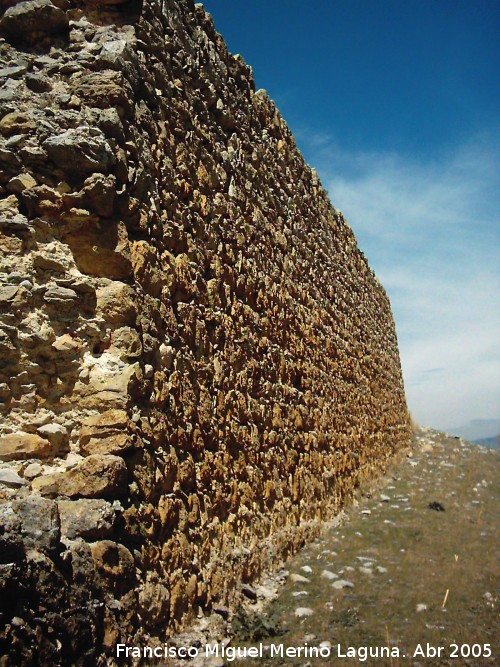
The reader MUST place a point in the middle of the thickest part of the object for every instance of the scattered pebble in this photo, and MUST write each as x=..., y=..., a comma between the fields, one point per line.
x=342, y=583
x=299, y=594
x=11, y=478
x=302, y=612
x=32, y=470
x=326, y=574
x=306, y=569
x=421, y=607
x=299, y=579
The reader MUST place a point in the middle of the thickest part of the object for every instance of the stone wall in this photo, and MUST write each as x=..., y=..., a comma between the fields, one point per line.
x=197, y=363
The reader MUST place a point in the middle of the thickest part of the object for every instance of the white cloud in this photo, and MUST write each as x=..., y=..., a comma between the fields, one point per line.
x=431, y=232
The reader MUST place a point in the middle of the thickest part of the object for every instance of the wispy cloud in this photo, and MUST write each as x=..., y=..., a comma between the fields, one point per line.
x=431, y=231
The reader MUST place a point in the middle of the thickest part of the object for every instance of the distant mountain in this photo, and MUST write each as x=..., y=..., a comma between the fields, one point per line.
x=477, y=429
x=493, y=442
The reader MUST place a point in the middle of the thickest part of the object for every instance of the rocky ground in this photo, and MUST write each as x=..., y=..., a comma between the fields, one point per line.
x=413, y=561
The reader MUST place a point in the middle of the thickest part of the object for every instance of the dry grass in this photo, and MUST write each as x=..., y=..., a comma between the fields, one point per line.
x=445, y=560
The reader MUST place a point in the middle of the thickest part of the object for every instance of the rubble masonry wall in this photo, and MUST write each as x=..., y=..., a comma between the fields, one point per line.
x=197, y=364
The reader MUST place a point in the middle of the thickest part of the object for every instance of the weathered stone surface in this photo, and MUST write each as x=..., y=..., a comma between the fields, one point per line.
x=115, y=563
x=154, y=602
x=11, y=543
x=8, y=293
x=18, y=446
x=51, y=257
x=38, y=83
x=16, y=123
x=127, y=342
x=104, y=424
x=96, y=477
x=186, y=326
x=28, y=20
x=32, y=470
x=82, y=150
x=99, y=251
x=56, y=434
x=40, y=525
x=33, y=585
x=90, y=519
x=11, y=478
x=108, y=382
x=105, y=433
x=65, y=344
x=116, y=303
x=21, y=182
x=98, y=194
x=59, y=295
x=32, y=523
x=103, y=89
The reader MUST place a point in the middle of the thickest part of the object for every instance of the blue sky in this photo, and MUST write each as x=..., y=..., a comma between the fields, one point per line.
x=397, y=104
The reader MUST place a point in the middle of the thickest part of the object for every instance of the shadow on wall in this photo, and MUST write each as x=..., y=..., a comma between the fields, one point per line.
x=107, y=12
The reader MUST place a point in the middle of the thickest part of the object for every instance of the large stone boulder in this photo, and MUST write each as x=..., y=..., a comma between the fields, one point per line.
x=18, y=446
x=88, y=518
x=96, y=477
x=83, y=150
x=27, y=21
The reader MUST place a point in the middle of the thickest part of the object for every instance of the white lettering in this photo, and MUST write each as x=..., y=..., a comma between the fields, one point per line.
x=419, y=651
x=212, y=650
x=276, y=650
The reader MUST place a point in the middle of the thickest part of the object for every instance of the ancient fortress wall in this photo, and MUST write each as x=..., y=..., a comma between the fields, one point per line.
x=197, y=363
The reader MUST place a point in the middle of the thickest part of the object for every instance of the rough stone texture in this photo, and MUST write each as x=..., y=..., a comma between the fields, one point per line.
x=96, y=477
x=197, y=363
x=23, y=446
x=28, y=20
x=87, y=518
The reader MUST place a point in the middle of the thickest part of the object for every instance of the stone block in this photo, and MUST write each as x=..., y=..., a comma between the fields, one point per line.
x=96, y=477
x=19, y=446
